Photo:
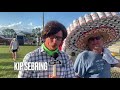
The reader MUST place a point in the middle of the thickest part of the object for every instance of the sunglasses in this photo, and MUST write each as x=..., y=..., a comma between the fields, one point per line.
x=94, y=38
x=56, y=37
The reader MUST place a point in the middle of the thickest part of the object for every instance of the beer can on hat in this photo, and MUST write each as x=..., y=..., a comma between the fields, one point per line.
x=82, y=21
x=87, y=27
x=115, y=13
x=88, y=22
x=102, y=16
x=95, y=18
x=108, y=15
x=116, y=19
x=68, y=30
x=81, y=28
x=71, y=27
x=88, y=19
x=76, y=23
x=97, y=21
x=116, y=16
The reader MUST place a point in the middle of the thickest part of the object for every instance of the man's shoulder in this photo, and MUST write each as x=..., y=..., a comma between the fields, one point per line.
x=85, y=52
x=35, y=52
x=84, y=55
x=63, y=53
x=31, y=56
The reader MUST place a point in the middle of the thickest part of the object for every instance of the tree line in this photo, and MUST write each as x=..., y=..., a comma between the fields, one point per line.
x=9, y=33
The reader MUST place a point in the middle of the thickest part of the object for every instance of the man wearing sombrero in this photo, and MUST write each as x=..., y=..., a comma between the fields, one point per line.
x=94, y=59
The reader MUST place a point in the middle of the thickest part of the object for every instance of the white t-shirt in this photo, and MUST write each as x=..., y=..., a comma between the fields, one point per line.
x=14, y=45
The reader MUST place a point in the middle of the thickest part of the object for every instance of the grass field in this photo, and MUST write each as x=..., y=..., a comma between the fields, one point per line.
x=6, y=62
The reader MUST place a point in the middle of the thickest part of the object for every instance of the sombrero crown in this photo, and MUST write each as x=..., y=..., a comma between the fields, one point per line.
x=106, y=24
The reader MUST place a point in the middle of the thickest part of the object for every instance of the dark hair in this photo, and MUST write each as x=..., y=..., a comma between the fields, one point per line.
x=53, y=27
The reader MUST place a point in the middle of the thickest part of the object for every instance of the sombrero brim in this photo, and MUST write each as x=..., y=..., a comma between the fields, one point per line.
x=109, y=28
x=107, y=33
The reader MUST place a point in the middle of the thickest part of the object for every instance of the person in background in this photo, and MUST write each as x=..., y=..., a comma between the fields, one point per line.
x=14, y=46
x=53, y=35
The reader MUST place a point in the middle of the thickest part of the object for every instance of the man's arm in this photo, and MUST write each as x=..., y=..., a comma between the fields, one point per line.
x=79, y=66
x=70, y=70
x=10, y=45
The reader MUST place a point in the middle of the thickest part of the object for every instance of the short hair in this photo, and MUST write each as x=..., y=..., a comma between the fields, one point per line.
x=53, y=27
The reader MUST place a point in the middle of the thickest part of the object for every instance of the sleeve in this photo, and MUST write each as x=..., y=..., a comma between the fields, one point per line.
x=109, y=58
x=79, y=66
x=69, y=69
x=25, y=73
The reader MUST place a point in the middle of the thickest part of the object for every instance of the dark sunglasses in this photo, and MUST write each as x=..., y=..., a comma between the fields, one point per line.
x=56, y=37
x=94, y=38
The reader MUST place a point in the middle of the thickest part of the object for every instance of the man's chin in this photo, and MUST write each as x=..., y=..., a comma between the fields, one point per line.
x=96, y=47
x=53, y=48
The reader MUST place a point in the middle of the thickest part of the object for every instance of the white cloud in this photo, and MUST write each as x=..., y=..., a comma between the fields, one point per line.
x=12, y=26
x=30, y=24
x=19, y=26
x=37, y=27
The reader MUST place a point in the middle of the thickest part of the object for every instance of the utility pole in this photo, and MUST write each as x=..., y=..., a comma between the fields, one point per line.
x=43, y=28
x=43, y=20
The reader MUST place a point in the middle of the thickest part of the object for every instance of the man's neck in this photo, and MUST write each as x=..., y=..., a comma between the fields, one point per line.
x=49, y=52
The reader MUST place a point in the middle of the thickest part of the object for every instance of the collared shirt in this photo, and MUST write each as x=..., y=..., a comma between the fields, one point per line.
x=65, y=70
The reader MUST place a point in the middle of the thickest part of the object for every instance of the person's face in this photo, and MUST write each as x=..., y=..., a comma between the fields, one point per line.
x=94, y=42
x=54, y=41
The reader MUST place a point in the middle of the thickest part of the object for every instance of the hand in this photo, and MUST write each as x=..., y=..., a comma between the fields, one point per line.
x=51, y=76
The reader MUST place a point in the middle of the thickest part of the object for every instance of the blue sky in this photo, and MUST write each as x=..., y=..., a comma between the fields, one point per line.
x=26, y=21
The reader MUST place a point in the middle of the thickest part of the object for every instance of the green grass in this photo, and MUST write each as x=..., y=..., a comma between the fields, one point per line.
x=7, y=63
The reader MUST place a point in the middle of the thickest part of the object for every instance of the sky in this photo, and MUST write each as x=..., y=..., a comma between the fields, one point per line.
x=26, y=21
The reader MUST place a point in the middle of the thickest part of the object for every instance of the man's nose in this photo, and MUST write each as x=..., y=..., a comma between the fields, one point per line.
x=55, y=40
x=95, y=40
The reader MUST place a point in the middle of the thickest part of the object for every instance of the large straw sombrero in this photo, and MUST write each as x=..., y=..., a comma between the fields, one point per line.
x=106, y=24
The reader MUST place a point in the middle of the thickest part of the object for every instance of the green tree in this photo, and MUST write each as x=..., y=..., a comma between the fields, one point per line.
x=36, y=32
x=8, y=33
